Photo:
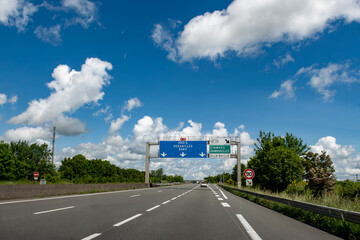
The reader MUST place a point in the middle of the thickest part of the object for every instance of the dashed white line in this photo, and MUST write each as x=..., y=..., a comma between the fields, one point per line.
x=220, y=199
x=179, y=195
x=248, y=228
x=150, y=209
x=225, y=204
x=53, y=210
x=166, y=202
x=92, y=236
x=127, y=220
x=160, y=191
x=174, y=198
x=217, y=195
x=137, y=195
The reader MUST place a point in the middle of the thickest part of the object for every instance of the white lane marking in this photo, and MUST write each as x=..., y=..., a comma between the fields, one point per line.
x=54, y=210
x=217, y=195
x=223, y=194
x=137, y=195
x=166, y=202
x=127, y=220
x=92, y=236
x=73, y=196
x=174, y=198
x=225, y=204
x=160, y=191
x=179, y=195
x=220, y=199
x=150, y=209
x=248, y=228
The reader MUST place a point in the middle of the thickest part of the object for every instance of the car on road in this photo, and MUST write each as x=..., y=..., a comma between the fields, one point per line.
x=203, y=184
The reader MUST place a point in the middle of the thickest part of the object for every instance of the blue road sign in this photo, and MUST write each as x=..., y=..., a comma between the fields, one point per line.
x=183, y=149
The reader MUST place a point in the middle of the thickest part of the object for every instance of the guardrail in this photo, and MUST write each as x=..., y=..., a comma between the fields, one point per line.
x=323, y=210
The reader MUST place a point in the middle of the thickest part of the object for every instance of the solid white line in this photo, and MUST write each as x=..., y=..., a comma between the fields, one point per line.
x=225, y=204
x=73, y=196
x=248, y=228
x=220, y=199
x=92, y=236
x=127, y=220
x=137, y=195
x=223, y=194
x=150, y=209
x=166, y=202
x=54, y=210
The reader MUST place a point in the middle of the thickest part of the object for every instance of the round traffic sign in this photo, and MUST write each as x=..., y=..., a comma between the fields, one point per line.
x=36, y=174
x=249, y=173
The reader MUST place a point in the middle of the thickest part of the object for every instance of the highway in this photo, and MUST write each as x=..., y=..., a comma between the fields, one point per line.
x=174, y=212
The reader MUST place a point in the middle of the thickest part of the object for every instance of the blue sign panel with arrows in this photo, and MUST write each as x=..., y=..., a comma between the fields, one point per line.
x=182, y=149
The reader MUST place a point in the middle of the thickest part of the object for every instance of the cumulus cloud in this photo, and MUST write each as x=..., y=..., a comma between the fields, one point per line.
x=322, y=79
x=132, y=103
x=4, y=99
x=117, y=124
x=16, y=13
x=29, y=134
x=282, y=60
x=346, y=162
x=286, y=90
x=50, y=35
x=86, y=10
x=71, y=90
x=68, y=126
x=245, y=26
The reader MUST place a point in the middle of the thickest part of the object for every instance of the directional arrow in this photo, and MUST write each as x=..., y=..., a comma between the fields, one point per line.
x=182, y=154
x=202, y=154
x=163, y=154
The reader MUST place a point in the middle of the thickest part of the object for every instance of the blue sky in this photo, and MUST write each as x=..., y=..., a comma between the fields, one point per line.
x=112, y=75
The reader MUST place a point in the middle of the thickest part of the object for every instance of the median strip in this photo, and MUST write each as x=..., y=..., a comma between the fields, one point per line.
x=248, y=228
x=92, y=236
x=127, y=220
x=53, y=210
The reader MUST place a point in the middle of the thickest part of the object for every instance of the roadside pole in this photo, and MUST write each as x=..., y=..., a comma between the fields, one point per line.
x=147, y=162
x=239, y=164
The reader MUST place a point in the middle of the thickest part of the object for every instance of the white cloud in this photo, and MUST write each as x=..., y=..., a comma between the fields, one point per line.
x=16, y=13
x=282, y=60
x=248, y=25
x=322, y=79
x=220, y=130
x=132, y=103
x=68, y=126
x=4, y=99
x=286, y=90
x=117, y=124
x=71, y=90
x=345, y=161
x=87, y=11
x=27, y=134
x=50, y=35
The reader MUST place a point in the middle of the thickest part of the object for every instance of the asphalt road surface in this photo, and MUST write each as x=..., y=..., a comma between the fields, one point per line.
x=175, y=212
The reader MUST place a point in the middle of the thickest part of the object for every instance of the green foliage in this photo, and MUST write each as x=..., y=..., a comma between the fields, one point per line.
x=234, y=174
x=218, y=178
x=276, y=166
x=296, y=188
x=319, y=171
x=7, y=162
x=348, y=189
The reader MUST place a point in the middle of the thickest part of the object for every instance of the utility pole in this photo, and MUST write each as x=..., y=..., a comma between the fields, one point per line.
x=53, y=144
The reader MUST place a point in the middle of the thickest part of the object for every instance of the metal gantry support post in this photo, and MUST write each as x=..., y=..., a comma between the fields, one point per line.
x=239, y=164
x=147, y=163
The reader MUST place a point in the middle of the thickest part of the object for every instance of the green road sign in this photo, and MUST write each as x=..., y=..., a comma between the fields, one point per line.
x=216, y=149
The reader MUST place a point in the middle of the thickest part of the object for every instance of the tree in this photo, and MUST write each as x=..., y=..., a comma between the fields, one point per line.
x=319, y=171
x=7, y=162
x=277, y=161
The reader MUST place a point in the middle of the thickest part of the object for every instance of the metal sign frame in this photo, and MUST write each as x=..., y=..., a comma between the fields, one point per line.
x=237, y=155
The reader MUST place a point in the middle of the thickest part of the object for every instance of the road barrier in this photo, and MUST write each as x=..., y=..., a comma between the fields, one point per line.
x=323, y=210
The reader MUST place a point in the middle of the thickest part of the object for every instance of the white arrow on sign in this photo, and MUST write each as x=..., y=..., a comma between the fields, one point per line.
x=182, y=154
x=202, y=154
x=163, y=154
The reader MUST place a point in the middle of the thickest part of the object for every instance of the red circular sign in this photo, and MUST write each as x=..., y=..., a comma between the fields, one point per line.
x=249, y=173
x=36, y=174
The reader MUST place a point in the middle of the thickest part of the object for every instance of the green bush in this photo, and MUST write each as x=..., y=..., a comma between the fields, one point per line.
x=348, y=189
x=296, y=188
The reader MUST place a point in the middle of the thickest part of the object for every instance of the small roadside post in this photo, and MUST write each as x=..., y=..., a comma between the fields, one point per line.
x=36, y=176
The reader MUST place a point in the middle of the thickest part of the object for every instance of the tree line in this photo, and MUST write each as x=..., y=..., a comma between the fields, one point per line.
x=157, y=176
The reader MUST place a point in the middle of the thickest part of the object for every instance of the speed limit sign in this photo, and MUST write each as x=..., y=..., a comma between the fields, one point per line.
x=249, y=173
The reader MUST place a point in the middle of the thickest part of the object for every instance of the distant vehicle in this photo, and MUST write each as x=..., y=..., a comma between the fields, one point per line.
x=203, y=184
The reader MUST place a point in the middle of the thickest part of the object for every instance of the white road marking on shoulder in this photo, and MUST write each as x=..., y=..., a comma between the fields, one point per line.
x=223, y=194
x=127, y=220
x=92, y=236
x=150, y=209
x=248, y=228
x=137, y=195
x=225, y=204
x=53, y=210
